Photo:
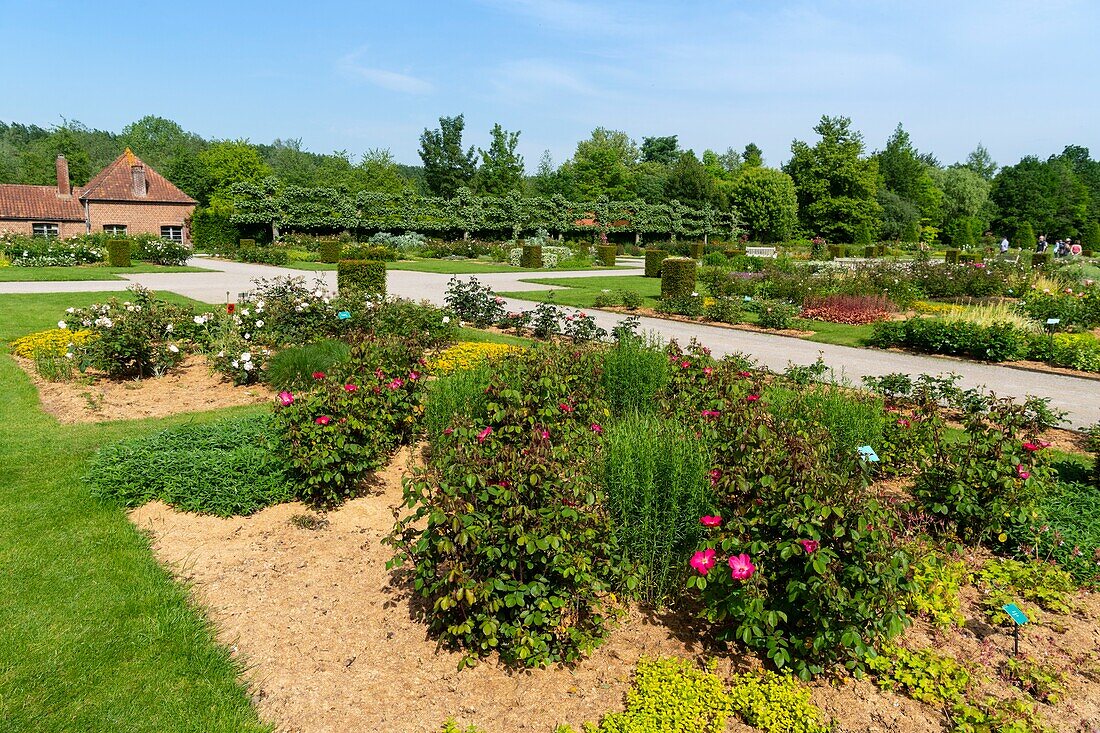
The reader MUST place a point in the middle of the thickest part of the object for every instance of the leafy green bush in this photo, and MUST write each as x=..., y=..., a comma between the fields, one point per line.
x=261, y=255
x=986, y=486
x=653, y=259
x=671, y=696
x=349, y=423
x=922, y=675
x=133, y=338
x=226, y=468
x=851, y=418
x=150, y=248
x=1004, y=580
x=118, y=253
x=690, y=305
x=507, y=539
x=471, y=301
x=531, y=256
x=451, y=396
x=813, y=578
x=605, y=254
x=776, y=703
x=774, y=314
x=1072, y=350
x=212, y=229
x=994, y=342
x=293, y=368
x=655, y=476
x=725, y=309
x=368, y=252
x=1043, y=684
x=631, y=300
x=937, y=583
x=365, y=276
x=329, y=251
x=677, y=277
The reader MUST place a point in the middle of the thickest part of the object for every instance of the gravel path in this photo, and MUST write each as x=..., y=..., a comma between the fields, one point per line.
x=1079, y=397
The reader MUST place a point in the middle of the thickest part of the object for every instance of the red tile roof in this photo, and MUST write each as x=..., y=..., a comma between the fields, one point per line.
x=115, y=183
x=40, y=203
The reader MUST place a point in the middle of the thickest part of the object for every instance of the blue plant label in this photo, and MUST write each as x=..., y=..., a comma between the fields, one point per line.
x=747, y=298
x=1015, y=613
x=867, y=453
x=343, y=315
x=1053, y=321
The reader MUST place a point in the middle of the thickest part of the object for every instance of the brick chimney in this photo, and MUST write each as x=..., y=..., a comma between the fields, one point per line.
x=137, y=174
x=63, y=188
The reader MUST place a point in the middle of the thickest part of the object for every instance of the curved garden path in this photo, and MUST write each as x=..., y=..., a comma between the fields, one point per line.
x=1079, y=397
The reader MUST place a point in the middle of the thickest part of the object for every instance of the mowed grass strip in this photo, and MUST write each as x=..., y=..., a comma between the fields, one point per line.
x=94, y=634
x=86, y=272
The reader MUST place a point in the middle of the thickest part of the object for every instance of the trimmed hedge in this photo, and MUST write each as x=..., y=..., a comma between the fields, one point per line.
x=212, y=231
x=246, y=244
x=606, y=253
x=1038, y=259
x=870, y=251
x=531, y=256
x=835, y=251
x=951, y=256
x=995, y=342
x=329, y=251
x=118, y=252
x=366, y=275
x=970, y=257
x=677, y=277
x=261, y=255
x=695, y=250
x=653, y=259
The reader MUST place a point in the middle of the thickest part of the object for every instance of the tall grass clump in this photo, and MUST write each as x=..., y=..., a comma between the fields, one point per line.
x=634, y=372
x=226, y=468
x=656, y=476
x=989, y=314
x=852, y=418
x=460, y=393
x=294, y=367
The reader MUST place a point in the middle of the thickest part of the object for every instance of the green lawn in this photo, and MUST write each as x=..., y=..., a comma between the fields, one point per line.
x=94, y=634
x=85, y=272
x=443, y=267
x=581, y=292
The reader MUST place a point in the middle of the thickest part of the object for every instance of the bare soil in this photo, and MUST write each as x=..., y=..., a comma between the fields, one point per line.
x=328, y=641
x=190, y=387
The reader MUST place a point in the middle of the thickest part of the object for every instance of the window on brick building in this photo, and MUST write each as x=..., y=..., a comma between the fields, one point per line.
x=115, y=229
x=174, y=234
x=44, y=229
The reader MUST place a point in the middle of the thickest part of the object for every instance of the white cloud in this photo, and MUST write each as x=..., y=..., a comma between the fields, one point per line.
x=562, y=15
x=393, y=80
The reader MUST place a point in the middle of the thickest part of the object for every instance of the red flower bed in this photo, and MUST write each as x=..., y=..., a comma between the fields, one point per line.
x=850, y=309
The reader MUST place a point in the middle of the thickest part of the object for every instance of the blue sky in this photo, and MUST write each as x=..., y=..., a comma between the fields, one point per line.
x=1018, y=76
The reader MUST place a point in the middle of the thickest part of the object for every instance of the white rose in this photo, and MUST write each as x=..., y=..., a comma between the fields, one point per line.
x=248, y=337
x=169, y=328
x=246, y=356
x=235, y=364
x=200, y=320
x=259, y=324
x=446, y=319
x=62, y=325
x=259, y=305
x=173, y=348
x=247, y=366
x=246, y=312
x=70, y=310
x=221, y=354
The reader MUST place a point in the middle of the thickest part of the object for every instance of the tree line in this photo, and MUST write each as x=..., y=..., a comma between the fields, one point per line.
x=831, y=186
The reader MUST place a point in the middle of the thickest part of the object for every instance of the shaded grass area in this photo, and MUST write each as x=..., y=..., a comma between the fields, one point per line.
x=491, y=337
x=86, y=272
x=94, y=634
x=446, y=267
x=581, y=292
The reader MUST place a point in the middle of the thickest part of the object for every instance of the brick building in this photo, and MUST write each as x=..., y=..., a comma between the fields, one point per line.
x=127, y=197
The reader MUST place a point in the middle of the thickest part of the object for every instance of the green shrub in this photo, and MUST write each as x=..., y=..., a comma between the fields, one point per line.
x=1043, y=684
x=1072, y=350
x=678, y=277
x=212, y=230
x=671, y=696
x=863, y=236
x=1004, y=580
x=365, y=276
x=633, y=374
x=986, y=487
x=1024, y=239
x=507, y=540
x=246, y=244
x=725, y=309
x=226, y=468
x=1039, y=259
x=993, y=342
x=776, y=703
x=851, y=418
x=262, y=255
x=531, y=257
x=653, y=259
x=631, y=299
x=937, y=583
x=775, y=314
x=869, y=251
x=695, y=250
x=655, y=476
x=799, y=564
x=951, y=256
x=293, y=368
x=329, y=251
x=605, y=254
x=715, y=259
x=922, y=675
x=118, y=252
x=835, y=251
x=350, y=422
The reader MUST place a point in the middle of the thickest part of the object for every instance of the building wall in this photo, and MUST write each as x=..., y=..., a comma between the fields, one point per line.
x=139, y=218
x=64, y=228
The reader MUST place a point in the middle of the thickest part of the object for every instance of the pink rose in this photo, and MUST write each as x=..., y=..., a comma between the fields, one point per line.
x=350, y=387
x=286, y=399
x=753, y=397
x=810, y=546
x=484, y=434
x=323, y=420
x=710, y=520
x=703, y=561
x=741, y=567
x=318, y=375
x=1023, y=474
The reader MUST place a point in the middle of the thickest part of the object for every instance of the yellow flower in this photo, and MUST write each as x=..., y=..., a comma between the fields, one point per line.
x=467, y=355
x=53, y=342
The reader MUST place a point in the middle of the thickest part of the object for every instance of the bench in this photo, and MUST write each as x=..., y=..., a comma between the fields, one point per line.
x=760, y=251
